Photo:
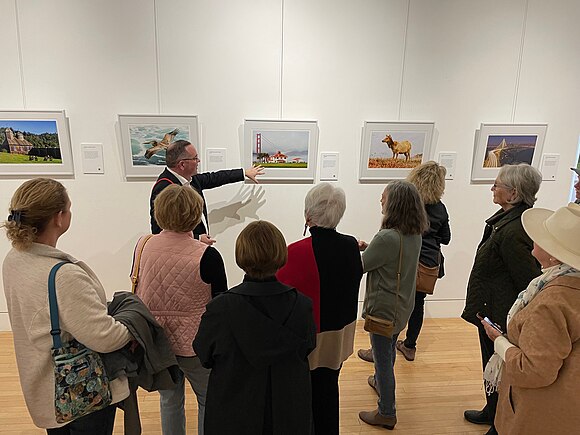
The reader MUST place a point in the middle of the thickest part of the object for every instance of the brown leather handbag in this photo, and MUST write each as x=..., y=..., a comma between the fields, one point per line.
x=426, y=278
x=384, y=327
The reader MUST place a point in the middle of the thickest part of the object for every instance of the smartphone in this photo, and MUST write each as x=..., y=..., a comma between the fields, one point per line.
x=489, y=322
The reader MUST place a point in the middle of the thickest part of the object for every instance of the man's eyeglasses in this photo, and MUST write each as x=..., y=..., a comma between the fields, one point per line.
x=195, y=159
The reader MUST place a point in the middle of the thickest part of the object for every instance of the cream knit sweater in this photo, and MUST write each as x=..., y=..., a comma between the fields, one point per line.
x=82, y=313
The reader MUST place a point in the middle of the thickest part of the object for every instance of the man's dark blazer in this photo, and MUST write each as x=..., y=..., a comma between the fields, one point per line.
x=199, y=182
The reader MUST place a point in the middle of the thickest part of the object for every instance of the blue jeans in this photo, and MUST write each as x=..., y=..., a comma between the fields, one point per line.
x=384, y=353
x=172, y=402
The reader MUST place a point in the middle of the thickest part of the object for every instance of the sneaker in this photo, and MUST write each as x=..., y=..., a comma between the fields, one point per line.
x=407, y=352
x=366, y=355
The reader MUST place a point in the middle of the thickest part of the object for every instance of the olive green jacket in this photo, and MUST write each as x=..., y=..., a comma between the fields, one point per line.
x=381, y=262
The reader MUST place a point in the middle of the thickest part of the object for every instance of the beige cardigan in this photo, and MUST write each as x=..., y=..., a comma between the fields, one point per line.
x=82, y=314
x=539, y=393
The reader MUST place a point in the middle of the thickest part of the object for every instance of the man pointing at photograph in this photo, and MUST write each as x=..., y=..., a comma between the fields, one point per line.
x=182, y=162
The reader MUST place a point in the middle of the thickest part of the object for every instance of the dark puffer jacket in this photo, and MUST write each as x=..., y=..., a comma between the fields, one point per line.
x=503, y=267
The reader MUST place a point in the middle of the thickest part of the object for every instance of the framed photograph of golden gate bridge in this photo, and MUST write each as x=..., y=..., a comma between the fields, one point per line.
x=497, y=145
x=390, y=150
x=286, y=149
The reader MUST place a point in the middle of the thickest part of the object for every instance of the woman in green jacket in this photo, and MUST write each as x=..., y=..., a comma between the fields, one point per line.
x=391, y=262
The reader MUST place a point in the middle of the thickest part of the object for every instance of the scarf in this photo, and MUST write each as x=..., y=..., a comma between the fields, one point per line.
x=494, y=367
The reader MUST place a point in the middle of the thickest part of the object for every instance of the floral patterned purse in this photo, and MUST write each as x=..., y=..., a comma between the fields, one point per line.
x=81, y=384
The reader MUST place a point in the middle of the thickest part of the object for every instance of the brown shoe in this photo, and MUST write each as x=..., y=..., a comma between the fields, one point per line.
x=407, y=352
x=366, y=355
x=373, y=383
x=376, y=419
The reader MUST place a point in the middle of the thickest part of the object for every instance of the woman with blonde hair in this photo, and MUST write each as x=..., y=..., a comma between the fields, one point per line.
x=40, y=213
x=178, y=276
x=429, y=179
x=256, y=338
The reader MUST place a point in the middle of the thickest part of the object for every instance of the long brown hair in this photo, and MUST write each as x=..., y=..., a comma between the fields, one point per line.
x=404, y=209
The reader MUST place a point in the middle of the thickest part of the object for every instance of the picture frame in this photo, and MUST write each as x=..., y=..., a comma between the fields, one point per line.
x=286, y=149
x=144, y=138
x=35, y=143
x=390, y=150
x=503, y=144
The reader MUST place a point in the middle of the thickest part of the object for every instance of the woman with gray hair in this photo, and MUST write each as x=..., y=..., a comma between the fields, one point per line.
x=503, y=265
x=327, y=268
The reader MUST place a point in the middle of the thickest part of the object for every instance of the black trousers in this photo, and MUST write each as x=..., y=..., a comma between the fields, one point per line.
x=415, y=321
x=96, y=423
x=486, y=346
x=325, y=400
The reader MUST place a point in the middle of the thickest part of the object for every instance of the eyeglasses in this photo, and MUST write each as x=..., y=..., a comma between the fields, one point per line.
x=195, y=159
x=503, y=186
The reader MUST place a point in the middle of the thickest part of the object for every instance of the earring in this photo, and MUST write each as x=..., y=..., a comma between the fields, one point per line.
x=305, y=229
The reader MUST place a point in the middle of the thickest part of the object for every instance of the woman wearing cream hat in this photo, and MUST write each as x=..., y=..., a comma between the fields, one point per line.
x=537, y=363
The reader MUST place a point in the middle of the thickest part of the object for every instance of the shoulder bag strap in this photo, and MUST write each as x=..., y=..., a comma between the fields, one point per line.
x=399, y=273
x=136, y=262
x=163, y=179
x=53, y=306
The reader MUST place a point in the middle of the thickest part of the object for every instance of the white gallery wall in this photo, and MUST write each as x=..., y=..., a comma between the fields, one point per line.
x=454, y=62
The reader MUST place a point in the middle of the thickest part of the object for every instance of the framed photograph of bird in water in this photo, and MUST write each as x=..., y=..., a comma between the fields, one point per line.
x=34, y=143
x=390, y=150
x=144, y=139
x=506, y=144
x=286, y=149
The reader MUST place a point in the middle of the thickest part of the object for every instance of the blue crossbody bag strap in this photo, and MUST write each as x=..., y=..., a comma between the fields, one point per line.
x=53, y=306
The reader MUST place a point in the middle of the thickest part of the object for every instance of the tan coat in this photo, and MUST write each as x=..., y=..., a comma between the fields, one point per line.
x=540, y=386
x=82, y=309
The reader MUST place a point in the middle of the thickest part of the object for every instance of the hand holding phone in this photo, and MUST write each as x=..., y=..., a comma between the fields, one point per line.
x=489, y=322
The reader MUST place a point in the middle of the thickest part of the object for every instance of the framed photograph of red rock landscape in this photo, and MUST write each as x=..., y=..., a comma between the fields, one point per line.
x=286, y=149
x=390, y=150
x=35, y=143
x=497, y=145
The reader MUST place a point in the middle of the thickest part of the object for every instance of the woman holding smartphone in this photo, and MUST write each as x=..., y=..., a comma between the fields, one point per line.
x=537, y=364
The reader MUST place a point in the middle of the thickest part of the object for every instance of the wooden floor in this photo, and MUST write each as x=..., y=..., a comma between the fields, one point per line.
x=432, y=391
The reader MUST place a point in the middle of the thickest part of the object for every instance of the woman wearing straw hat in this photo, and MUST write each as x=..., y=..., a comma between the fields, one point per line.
x=537, y=364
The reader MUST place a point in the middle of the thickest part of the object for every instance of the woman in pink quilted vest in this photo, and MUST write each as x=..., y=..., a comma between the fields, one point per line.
x=178, y=276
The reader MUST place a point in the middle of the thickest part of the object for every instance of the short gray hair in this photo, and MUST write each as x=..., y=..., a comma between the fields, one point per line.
x=524, y=178
x=175, y=152
x=324, y=205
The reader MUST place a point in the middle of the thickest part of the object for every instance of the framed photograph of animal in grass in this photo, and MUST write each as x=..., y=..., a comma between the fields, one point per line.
x=390, y=150
x=286, y=149
x=506, y=144
x=35, y=143
x=144, y=139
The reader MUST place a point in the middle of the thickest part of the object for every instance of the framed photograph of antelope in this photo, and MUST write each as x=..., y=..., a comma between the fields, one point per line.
x=144, y=139
x=286, y=149
x=390, y=150
x=35, y=143
x=506, y=144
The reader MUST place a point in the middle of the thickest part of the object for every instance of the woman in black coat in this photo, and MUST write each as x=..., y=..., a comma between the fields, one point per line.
x=503, y=265
x=256, y=338
x=429, y=179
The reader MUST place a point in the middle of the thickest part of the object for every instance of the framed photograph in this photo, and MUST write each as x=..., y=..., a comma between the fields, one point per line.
x=390, y=150
x=506, y=144
x=286, y=149
x=144, y=139
x=35, y=143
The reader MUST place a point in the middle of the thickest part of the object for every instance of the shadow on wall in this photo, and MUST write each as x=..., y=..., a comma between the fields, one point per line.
x=243, y=206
